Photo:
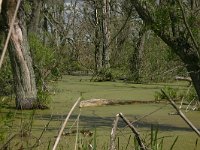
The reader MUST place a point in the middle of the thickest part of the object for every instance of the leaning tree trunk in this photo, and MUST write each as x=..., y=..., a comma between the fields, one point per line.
x=185, y=47
x=24, y=78
x=195, y=76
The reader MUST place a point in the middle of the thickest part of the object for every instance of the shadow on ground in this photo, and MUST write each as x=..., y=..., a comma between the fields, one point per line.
x=98, y=122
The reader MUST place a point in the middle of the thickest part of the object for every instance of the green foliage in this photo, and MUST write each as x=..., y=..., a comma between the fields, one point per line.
x=6, y=121
x=46, y=60
x=47, y=67
x=176, y=94
x=27, y=7
x=70, y=87
x=72, y=65
x=190, y=95
x=43, y=94
x=119, y=73
x=103, y=75
x=171, y=92
x=6, y=80
x=163, y=17
x=153, y=141
x=86, y=141
x=159, y=64
x=22, y=137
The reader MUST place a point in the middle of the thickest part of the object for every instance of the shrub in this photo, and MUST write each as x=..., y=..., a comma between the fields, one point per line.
x=175, y=94
x=103, y=75
x=6, y=80
x=171, y=92
x=189, y=96
x=46, y=66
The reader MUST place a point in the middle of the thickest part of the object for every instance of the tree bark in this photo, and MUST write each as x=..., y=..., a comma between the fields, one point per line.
x=35, y=16
x=19, y=52
x=136, y=60
x=97, y=41
x=195, y=76
x=106, y=34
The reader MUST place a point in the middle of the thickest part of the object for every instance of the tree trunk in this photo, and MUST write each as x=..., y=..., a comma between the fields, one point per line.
x=97, y=41
x=195, y=76
x=106, y=34
x=35, y=17
x=24, y=77
x=136, y=60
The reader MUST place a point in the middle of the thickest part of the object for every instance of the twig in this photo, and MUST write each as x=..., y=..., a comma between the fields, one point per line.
x=181, y=114
x=147, y=115
x=9, y=33
x=77, y=131
x=123, y=26
x=137, y=134
x=113, y=133
x=188, y=28
x=129, y=138
x=189, y=105
x=8, y=141
x=44, y=129
x=188, y=90
x=64, y=124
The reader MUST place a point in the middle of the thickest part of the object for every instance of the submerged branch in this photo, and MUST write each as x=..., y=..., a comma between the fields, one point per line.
x=181, y=114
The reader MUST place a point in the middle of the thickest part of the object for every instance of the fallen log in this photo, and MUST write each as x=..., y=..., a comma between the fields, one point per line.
x=102, y=102
x=184, y=79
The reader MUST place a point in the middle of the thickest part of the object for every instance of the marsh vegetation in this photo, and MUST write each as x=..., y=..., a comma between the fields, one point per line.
x=40, y=128
x=138, y=59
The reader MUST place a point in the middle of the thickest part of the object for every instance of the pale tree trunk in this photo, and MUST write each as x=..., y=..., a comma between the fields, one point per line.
x=0, y=4
x=24, y=78
x=106, y=34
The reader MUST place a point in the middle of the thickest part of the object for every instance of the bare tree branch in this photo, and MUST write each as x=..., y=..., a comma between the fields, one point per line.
x=10, y=31
x=113, y=133
x=77, y=131
x=64, y=124
x=188, y=28
x=137, y=134
x=181, y=114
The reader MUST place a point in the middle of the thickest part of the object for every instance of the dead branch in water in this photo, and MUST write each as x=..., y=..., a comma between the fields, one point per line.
x=137, y=134
x=113, y=133
x=188, y=79
x=64, y=124
x=181, y=114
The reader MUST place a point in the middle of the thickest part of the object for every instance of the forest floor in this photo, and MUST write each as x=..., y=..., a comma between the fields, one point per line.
x=99, y=120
